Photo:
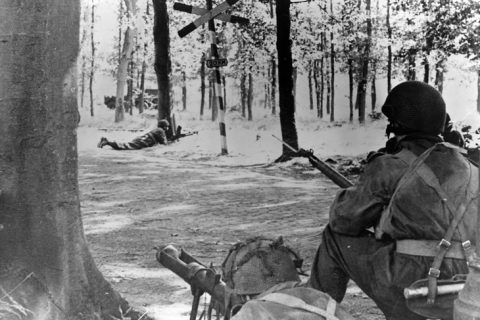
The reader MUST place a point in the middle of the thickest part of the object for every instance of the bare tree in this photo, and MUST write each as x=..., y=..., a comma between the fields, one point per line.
x=127, y=49
x=285, y=80
x=163, y=66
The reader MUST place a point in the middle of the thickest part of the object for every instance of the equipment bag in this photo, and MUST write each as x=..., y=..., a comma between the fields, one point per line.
x=288, y=301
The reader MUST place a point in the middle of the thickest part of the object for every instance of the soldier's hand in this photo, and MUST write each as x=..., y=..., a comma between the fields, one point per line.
x=305, y=153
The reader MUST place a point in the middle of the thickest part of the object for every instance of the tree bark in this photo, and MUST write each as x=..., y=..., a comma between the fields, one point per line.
x=250, y=96
x=294, y=80
x=274, y=85
x=439, y=75
x=332, y=71
x=350, y=88
x=141, y=99
x=389, y=48
x=162, y=64
x=286, y=103
x=310, y=84
x=478, y=93
x=373, y=88
x=129, y=102
x=45, y=264
x=243, y=94
x=411, y=60
x=184, y=90
x=92, y=63
x=426, y=68
x=202, y=84
x=122, y=71
x=327, y=75
x=316, y=74
x=362, y=84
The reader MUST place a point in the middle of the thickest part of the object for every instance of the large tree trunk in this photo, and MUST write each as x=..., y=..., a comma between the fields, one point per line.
x=45, y=264
x=122, y=71
x=285, y=81
x=162, y=64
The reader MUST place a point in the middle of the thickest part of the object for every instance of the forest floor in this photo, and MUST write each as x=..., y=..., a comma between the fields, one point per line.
x=133, y=201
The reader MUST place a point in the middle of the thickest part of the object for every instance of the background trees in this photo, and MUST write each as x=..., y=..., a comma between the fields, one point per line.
x=371, y=42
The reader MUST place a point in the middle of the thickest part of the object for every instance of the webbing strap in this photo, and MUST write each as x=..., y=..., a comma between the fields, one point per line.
x=457, y=213
x=297, y=303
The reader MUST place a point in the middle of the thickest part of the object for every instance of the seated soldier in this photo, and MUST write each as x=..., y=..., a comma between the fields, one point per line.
x=265, y=272
x=149, y=139
x=419, y=194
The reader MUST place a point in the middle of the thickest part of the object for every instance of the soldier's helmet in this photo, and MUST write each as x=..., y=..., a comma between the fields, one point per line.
x=415, y=107
x=257, y=264
x=163, y=124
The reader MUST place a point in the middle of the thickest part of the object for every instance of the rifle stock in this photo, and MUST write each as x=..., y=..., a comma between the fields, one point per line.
x=198, y=276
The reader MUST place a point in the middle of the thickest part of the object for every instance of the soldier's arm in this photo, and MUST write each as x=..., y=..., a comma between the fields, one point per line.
x=360, y=206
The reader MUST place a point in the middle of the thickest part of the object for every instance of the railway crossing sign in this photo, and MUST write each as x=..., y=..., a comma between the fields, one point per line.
x=206, y=15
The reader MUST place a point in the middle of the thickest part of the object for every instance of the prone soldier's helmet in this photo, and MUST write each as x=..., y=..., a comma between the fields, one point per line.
x=163, y=124
x=257, y=264
x=415, y=107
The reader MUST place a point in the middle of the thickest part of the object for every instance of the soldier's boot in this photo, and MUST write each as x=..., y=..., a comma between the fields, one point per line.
x=103, y=142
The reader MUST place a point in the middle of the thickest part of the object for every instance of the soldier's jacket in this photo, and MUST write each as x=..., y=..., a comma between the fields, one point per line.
x=420, y=217
x=361, y=206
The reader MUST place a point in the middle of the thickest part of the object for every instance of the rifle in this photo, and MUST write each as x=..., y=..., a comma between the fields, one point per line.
x=330, y=172
x=200, y=278
x=179, y=134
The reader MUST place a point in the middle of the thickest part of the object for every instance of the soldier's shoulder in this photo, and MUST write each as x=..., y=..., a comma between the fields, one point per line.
x=372, y=155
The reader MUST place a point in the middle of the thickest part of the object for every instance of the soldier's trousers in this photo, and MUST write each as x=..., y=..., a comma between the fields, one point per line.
x=367, y=262
x=135, y=144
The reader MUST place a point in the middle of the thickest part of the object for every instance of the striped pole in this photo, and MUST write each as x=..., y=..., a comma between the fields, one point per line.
x=217, y=82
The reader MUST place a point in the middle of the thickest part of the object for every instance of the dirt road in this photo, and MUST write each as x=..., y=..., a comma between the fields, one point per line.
x=134, y=200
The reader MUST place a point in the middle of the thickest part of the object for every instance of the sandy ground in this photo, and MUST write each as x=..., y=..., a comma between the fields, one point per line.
x=133, y=201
